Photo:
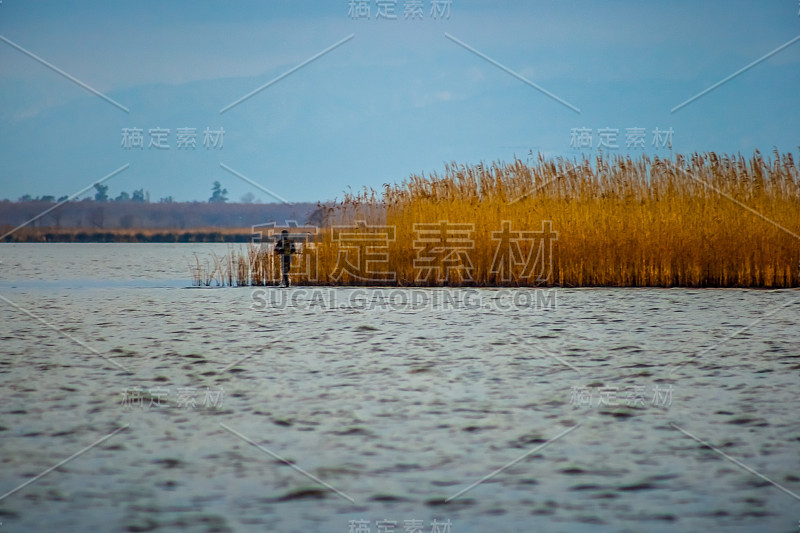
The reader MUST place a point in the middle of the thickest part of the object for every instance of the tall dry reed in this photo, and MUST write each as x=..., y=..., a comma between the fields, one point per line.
x=700, y=221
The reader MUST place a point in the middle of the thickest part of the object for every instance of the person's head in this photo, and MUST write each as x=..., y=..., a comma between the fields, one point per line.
x=284, y=234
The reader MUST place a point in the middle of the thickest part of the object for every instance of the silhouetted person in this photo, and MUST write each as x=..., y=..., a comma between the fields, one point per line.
x=284, y=247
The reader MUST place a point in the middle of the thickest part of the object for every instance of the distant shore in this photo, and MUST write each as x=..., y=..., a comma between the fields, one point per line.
x=134, y=235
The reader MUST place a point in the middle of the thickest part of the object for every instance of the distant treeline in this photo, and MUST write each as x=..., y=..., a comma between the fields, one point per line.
x=218, y=195
x=93, y=216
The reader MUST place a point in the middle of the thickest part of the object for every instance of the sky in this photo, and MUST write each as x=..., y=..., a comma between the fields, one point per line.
x=89, y=89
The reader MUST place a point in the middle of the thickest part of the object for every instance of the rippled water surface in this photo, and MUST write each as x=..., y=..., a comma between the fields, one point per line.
x=597, y=415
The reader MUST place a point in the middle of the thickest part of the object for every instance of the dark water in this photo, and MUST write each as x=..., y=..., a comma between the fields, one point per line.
x=399, y=408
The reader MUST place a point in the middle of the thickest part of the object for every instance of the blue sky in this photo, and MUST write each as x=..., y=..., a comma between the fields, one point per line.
x=398, y=98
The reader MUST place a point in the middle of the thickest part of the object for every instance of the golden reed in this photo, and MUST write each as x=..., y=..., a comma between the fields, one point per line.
x=706, y=220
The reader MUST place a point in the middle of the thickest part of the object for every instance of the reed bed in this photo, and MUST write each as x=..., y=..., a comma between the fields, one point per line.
x=704, y=220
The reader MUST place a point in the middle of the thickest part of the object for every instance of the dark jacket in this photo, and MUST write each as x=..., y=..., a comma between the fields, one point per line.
x=285, y=247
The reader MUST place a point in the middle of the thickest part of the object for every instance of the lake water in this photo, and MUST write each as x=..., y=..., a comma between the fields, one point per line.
x=350, y=409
